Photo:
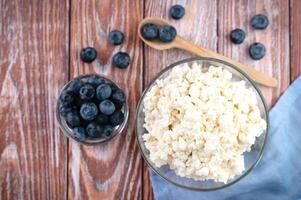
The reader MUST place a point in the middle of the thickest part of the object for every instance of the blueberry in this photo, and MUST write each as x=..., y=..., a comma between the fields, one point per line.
x=80, y=133
x=103, y=91
x=108, y=131
x=67, y=97
x=75, y=85
x=88, y=54
x=237, y=36
x=65, y=109
x=107, y=107
x=257, y=51
x=113, y=87
x=117, y=118
x=73, y=119
x=167, y=33
x=121, y=60
x=177, y=11
x=118, y=96
x=94, y=130
x=87, y=92
x=116, y=37
x=259, y=22
x=95, y=80
x=150, y=31
x=102, y=119
x=88, y=111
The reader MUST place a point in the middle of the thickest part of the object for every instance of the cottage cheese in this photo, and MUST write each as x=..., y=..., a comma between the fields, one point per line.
x=201, y=122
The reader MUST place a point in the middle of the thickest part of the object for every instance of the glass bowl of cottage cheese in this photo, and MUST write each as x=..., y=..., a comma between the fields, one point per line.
x=202, y=124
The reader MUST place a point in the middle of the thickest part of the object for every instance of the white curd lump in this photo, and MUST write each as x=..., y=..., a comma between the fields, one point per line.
x=201, y=122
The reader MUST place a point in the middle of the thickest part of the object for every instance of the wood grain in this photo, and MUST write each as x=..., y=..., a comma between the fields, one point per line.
x=147, y=187
x=112, y=170
x=237, y=14
x=198, y=26
x=295, y=43
x=33, y=64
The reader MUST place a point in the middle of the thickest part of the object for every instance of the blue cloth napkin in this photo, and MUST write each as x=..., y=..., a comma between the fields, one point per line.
x=278, y=174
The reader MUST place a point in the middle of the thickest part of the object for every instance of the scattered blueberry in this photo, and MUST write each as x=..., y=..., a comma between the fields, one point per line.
x=107, y=107
x=237, y=36
x=102, y=119
x=88, y=54
x=103, y=91
x=108, y=131
x=88, y=111
x=116, y=37
x=73, y=119
x=118, y=96
x=257, y=51
x=150, y=31
x=167, y=33
x=80, y=133
x=95, y=80
x=121, y=60
x=259, y=22
x=177, y=11
x=94, y=130
x=87, y=92
x=67, y=97
x=117, y=118
x=75, y=85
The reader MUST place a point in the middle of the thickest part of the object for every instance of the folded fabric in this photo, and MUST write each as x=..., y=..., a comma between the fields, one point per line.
x=278, y=174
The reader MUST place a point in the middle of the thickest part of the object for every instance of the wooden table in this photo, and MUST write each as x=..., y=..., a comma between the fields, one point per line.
x=39, y=52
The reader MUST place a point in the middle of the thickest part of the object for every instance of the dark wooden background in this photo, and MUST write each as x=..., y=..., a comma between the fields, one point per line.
x=39, y=52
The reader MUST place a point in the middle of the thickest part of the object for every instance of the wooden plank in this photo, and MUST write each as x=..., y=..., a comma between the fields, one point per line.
x=147, y=187
x=237, y=14
x=198, y=25
x=295, y=20
x=112, y=170
x=34, y=66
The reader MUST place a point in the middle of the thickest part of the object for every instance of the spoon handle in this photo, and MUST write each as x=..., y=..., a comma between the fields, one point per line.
x=257, y=76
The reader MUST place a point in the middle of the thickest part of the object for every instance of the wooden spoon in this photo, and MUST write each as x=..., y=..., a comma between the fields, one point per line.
x=181, y=43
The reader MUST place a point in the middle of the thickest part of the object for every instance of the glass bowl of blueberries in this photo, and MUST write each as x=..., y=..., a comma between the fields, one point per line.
x=92, y=109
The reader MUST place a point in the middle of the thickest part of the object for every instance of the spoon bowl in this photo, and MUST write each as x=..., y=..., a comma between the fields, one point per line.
x=156, y=44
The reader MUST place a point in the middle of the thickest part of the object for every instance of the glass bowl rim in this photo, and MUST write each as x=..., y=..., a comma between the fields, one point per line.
x=66, y=132
x=242, y=73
